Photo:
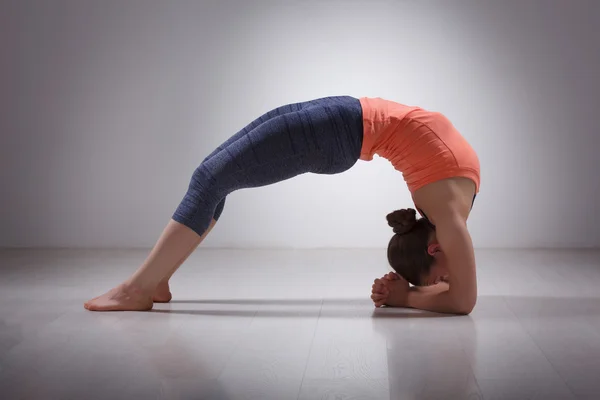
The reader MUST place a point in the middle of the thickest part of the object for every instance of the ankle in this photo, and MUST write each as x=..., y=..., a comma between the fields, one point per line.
x=137, y=289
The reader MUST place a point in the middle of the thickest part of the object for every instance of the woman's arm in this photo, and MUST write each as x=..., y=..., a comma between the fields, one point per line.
x=457, y=247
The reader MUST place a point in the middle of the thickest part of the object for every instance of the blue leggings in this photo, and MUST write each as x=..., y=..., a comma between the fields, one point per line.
x=322, y=136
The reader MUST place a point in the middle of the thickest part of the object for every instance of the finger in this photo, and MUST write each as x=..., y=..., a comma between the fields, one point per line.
x=377, y=301
x=379, y=288
x=380, y=291
x=394, y=276
x=377, y=296
x=382, y=283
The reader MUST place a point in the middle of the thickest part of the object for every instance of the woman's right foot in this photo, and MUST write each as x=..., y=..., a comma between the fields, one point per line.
x=162, y=294
x=121, y=298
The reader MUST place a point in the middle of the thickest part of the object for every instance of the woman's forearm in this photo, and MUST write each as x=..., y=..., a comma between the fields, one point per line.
x=435, y=299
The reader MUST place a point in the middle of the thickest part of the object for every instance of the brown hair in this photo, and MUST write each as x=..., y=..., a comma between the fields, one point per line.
x=407, y=250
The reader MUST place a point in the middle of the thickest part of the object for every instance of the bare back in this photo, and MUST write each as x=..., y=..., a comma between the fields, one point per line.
x=452, y=195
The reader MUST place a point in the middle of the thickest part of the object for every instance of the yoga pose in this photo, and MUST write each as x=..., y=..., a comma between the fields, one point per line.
x=328, y=136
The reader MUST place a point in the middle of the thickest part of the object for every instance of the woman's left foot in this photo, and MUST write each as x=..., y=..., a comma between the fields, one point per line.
x=162, y=294
x=121, y=298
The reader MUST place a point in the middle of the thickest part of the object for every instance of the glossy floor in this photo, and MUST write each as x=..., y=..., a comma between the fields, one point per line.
x=297, y=325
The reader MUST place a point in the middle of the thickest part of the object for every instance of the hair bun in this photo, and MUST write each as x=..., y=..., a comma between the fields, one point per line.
x=402, y=221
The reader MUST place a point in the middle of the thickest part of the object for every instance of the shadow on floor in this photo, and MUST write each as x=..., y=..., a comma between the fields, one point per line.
x=521, y=306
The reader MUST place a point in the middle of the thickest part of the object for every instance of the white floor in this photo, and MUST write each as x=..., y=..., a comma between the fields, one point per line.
x=297, y=325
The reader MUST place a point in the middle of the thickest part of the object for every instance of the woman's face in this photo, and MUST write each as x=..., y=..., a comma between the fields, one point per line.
x=438, y=272
x=434, y=279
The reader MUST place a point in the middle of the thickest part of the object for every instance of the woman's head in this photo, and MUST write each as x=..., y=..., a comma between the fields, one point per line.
x=413, y=251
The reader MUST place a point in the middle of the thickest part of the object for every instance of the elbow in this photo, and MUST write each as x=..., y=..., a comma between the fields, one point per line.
x=465, y=307
x=464, y=310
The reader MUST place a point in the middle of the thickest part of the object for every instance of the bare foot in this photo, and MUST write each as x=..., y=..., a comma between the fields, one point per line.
x=162, y=294
x=121, y=298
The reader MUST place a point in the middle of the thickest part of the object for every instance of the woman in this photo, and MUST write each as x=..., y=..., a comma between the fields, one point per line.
x=328, y=136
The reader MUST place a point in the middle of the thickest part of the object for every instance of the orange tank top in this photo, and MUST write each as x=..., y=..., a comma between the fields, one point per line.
x=423, y=145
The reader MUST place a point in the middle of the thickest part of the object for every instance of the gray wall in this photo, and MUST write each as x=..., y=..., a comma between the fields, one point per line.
x=108, y=106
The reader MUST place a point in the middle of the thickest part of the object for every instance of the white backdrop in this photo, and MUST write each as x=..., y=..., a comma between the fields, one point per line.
x=108, y=106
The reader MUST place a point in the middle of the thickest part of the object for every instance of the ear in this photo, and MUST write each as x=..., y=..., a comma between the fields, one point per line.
x=434, y=248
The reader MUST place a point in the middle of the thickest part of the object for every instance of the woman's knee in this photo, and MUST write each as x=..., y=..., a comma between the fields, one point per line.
x=203, y=188
x=202, y=201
